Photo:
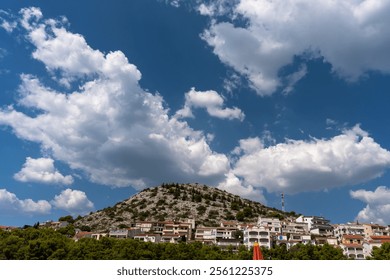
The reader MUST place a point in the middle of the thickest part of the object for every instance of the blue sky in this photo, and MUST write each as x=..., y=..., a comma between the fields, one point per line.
x=100, y=100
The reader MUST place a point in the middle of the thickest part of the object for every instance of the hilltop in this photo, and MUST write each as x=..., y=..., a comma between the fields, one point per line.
x=208, y=206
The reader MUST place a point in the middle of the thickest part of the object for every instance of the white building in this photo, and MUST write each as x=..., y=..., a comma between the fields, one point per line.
x=119, y=233
x=214, y=234
x=352, y=246
x=124, y=233
x=294, y=227
x=150, y=226
x=98, y=236
x=171, y=238
x=228, y=243
x=206, y=234
x=272, y=225
x=374, y=241
x=299, y=238
x=257, y=234
x=182, y=229
x=226, y=233
x=317, y=225
x=353, y=251
x=154, y=238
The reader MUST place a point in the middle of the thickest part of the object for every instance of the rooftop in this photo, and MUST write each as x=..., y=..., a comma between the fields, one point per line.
x=352, y=236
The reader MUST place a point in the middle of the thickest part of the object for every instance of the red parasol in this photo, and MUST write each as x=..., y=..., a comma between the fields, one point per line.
x=257, y=255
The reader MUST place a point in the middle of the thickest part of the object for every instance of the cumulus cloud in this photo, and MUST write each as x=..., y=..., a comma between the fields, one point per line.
x=206, y=10
x=9, y=202
x=248, y=146
x=233, y=184
x=118, y=134
x=215, y=7
x=264, y=36
x=350, y=158
x=8, y=26
x=42, y=170
x=212, y=102
x=110, y=128
x=377, y=209
x=6, y=21
x=73, y=201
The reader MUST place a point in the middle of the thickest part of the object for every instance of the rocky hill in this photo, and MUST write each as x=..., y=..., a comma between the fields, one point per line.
x=208, y=206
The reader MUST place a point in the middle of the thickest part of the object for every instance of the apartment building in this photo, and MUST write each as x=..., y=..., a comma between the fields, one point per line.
x=228, y=243
x=317, y=225
x=206, y=234
x=322, y=240
x=258, y=234
x=281, y=239
x=148, y=237
x=272, y=225
x=182, y=229
x=226, y=233
x=150, y=226
x=229, y=224
x=374, y=241
x=98, y=236
x=171, y=238
x=294, y=227
x=124, y=233
x=375, y=230
x=352, y=246
x=215, y=234
x=347, y=229
x=299, y=238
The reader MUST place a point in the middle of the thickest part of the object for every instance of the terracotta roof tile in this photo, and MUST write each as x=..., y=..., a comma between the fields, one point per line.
x=352, y=236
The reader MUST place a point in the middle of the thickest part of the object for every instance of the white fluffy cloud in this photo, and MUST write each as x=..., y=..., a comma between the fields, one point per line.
x=9, y=202
x=352, y=36
x=7, y=24
x=212, y=102
x=295, y=166
x=110, y=128
x=234, y=185
x=42, y=170
x=377, y=209
x=73, y=201
x=118, y=134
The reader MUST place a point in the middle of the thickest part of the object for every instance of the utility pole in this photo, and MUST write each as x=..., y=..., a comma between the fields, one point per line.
x=282, y=196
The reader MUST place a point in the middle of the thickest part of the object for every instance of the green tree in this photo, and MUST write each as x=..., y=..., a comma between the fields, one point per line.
x=68, y=219
x=201, y=209
x=68, y=231
x=240, y=216
x=248, y=212
x=381, y=253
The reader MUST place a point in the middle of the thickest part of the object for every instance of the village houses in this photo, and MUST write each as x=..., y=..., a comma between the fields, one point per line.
x=356, y=240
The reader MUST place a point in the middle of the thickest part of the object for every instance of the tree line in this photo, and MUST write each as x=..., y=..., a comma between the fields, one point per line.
x=47, y=244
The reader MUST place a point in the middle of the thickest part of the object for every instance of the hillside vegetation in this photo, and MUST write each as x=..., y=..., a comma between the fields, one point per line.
x=208, y=206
